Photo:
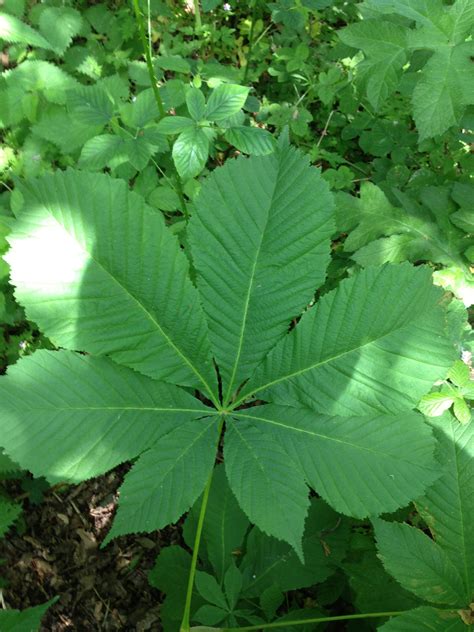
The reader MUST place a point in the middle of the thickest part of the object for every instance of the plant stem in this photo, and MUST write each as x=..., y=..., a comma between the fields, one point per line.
x=346, y=617
x=149, y=63
x=249, y=54
x=158, y=99
x=185, y=627
x=197, y=14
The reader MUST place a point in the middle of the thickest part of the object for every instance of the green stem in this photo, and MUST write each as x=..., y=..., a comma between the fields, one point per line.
x=346, y=617
x=249, y=54
x=156, y=92
x=149, y=63
x=197, y=14
x=185, y=626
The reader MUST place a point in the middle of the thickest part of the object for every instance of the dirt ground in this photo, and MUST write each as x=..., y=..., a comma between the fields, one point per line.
x=57, y=552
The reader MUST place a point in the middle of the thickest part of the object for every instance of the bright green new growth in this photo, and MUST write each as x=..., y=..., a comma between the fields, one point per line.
x=100, y=272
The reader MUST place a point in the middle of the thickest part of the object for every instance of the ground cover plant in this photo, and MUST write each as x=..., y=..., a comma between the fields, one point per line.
x=237, y=256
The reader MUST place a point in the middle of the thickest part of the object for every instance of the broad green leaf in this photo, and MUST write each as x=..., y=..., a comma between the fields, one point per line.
x=59, y=25
x=38, y=77
x=57, y=126
x=267, y=483
x=441, y=94
x=79, y=264
x=419, y=564
x=375, y=344
x=461, y=410
x=175, y=124
x=141, y=148
x=208, y=588
x=383, y=44
x=406, y=233
x=460, y=373
x=15, y=31
x=70, y=417
x=256, y=268
x=435, y=404
x=90, y=105
x=24, y=620
x=250, y=140
x=209, y=615
x=9, y=512
x=141, y=111
x=425, y=619
x=170, y=575
x=269, y=562
x=448, y=505
x=167, y=478
x=101, y=151
x=196, y=103
x=225, y=100
x=383, y=461
x=190, y=152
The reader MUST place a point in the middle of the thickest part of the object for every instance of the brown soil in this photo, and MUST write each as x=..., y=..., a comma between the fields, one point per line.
x=58, y=553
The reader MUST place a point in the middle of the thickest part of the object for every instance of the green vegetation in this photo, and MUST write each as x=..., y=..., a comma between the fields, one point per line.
x=237, y=253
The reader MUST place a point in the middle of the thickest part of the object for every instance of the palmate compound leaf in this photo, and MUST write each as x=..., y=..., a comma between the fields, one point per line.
x=260, y=242
x=98, y=271
x=375, y=344
x=361, y=466
x=70, y=417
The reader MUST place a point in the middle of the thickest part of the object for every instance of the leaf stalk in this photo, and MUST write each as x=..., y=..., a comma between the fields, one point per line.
x=185, y=625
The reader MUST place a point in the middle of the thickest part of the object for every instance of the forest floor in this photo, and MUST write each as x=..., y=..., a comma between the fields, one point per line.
x=58, y=553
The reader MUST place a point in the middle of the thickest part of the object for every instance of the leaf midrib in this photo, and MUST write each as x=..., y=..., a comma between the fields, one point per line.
x=147, y=313
x=249, y=291
x=311, y=367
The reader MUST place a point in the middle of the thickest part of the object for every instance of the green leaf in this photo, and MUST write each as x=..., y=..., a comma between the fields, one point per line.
x=59, y=25
x=101, y=151
x=425, y=619
x=17, y=32
x=435, y=404
x=448, y=505
x=461, y=410
x=209, y=615
x=363, y=348
x=146, y=143
x=170, y=575
x=459, y=374
x=79, y=264
x=190, y=152
x=58, y=127
x=384, y=461
x=141, y=111
x=441, y=94
x=90, y=105
x=196, y=103
x=233, y=585
x=271, y=563
x=383, y=44
x=255, y=270
x=9, y=512
x=167, y=479
x=175, y=124
x=225, y=100
x=250, y=140
x=70, y=417
x=419, y=564
x=267, y=483
x=210, y=590
x=225, y=524
x=24, y=620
